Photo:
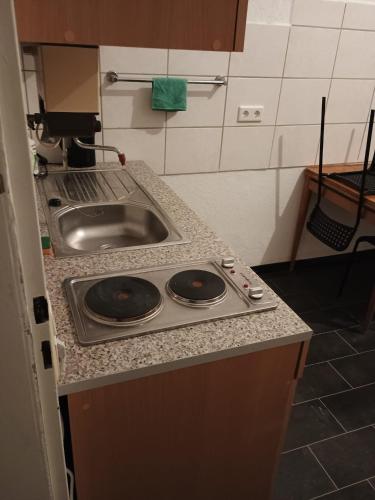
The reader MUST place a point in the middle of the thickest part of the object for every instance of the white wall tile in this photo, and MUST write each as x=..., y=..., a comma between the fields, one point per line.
x=323, y=13
x=359, y=16
x=362, y=150
x=252, y=92
x=192, y=150
x=264, y=52
x=133, y=60
x=205, y=107
x=300, y=101
x=230, y=203
x=311, y=52
x=198, y=62
x=289, y=183
x=295, y=146
x=356, y=55
x=342, y=142
x=246, y=148
x=349, y=101
x=128, y=105
x=32, y=91
x=138, y=144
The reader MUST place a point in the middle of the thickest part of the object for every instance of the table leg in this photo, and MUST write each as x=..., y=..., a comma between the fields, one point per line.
x=370, y=311
x=304, y=205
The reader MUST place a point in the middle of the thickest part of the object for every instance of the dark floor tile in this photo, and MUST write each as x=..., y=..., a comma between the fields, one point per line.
x=310, y=422
x=361, y=491
x=355, y=408
x=357, y=370
x=300, y=477
x=372, y=482
x=291, y=283
x=359, y=309
x=349, y=458
x=359, y=340
x=327, y=320
x=319, y=380
x=327, y=346
x=302, y=302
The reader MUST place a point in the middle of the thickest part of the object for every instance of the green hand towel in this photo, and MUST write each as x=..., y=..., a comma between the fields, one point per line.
x=169, y=94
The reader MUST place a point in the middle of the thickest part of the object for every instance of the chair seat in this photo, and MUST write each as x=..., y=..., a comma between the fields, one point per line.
x=330, y=232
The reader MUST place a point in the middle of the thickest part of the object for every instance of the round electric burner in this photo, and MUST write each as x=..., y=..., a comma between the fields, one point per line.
x=122, y=301
x=197, y=288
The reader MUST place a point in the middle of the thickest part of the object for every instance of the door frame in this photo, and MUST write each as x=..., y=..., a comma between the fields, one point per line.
x=33, y=466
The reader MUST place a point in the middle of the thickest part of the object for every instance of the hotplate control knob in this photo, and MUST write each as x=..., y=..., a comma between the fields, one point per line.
x=256, y=292
x=227, y=262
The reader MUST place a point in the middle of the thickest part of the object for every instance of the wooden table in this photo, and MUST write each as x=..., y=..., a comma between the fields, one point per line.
x=340, y=195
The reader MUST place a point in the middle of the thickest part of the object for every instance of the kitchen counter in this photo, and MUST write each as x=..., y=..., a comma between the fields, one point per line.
x=118, y=361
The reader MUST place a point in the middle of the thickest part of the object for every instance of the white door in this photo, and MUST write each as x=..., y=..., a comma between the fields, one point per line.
x=31, y=454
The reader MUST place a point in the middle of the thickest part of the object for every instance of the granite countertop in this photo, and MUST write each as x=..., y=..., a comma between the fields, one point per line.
x=116, y=361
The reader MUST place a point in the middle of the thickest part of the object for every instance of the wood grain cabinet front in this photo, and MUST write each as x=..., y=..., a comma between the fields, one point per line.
x=211, y=431
x=178, y=24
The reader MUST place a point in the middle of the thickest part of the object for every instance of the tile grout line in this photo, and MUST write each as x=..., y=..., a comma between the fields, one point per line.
x=343, y=488
x=346, y=342
x=332, y=74
x=335, y=393
x=324, y=469
x=101, y=106
x=334, y=416
x=224, y=112
x=278, y=101
x=341, y=434
x=331, y=359
x=370, y=483
x=165, y=126
x=245, y=126
x=340, y=374
x=367, y=120
x=315, y=442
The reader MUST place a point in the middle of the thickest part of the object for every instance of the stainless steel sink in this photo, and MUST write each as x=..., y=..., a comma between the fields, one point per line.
x=117, y=214
x=91, y=228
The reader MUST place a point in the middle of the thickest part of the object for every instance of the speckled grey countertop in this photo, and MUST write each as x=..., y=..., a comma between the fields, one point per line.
x=111, y=362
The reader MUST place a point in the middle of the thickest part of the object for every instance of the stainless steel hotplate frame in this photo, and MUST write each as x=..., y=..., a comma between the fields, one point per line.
x=173, y=314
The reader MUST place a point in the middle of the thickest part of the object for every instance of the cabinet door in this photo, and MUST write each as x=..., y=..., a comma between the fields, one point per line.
x=178, y=24
x=212, y=431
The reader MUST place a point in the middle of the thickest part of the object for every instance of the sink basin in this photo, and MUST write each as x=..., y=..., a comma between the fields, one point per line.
x=102, y=210
x=92, y=228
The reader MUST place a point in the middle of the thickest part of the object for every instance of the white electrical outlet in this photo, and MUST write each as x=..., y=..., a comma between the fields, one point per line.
x=250, y=113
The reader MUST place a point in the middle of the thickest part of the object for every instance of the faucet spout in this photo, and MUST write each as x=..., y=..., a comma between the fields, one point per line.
x=120, y=154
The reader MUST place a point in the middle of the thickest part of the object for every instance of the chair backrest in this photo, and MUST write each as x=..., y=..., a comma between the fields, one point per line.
x=331, y=232
x=365, y=163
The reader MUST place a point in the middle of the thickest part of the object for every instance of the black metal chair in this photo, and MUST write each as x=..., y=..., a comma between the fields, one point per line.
x=337, y=235
x=332, y=233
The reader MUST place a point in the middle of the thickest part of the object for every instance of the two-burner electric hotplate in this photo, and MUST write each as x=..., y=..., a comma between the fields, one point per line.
x=128, y=304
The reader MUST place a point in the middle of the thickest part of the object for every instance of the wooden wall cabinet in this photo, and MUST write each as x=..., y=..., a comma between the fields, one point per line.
x=177, y=24
x=212, y=431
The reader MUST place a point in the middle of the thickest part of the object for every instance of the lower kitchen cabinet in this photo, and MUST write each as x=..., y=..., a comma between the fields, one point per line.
x=213, y=431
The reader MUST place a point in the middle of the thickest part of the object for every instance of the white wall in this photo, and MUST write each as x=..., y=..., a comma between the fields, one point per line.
x=269, y=11
x=245, y=179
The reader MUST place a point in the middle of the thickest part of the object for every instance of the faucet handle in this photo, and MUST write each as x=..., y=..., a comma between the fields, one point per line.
x=122, y=158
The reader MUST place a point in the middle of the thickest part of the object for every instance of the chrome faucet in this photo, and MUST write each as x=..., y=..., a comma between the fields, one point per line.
x=120, y=154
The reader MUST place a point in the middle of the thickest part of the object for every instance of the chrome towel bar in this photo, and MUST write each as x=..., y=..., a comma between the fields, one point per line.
x=113, y=77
